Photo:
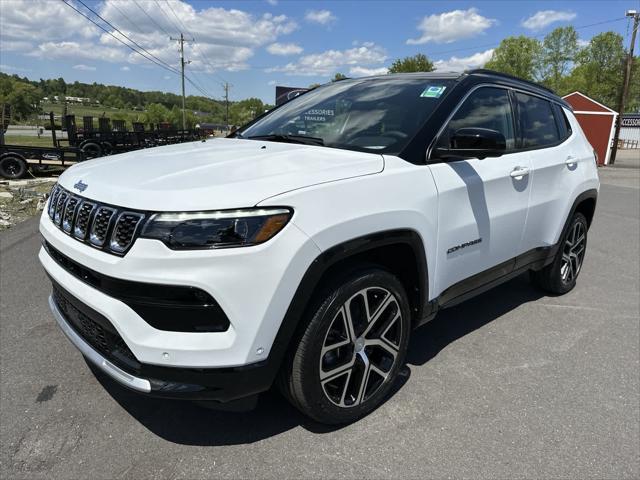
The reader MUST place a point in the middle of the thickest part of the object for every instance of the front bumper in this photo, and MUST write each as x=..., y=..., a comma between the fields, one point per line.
x=217, y=384
x=252, y=285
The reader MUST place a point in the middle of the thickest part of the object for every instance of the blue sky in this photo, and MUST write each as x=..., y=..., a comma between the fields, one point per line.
x=257, y=44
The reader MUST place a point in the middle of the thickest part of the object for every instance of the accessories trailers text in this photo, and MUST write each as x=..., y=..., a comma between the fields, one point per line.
x=303, y=251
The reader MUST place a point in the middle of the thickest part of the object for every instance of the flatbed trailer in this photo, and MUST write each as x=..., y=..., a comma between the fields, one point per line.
x=17, y=160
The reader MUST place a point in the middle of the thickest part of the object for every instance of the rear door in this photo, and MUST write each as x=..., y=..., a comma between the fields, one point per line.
x=557, y=164
x=482, y=204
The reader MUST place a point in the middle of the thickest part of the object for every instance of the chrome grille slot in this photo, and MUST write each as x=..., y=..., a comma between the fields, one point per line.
x=125, y=230
x=53, y=200
x=100, y=226
x=82, y=220
x=69, y=214
x=108, y=228
x=60, y=204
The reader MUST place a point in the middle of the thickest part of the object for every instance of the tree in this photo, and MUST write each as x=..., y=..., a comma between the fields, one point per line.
x=24, y=98
x=518, y=56
x=157, y=113
x=417, y=63
x=558, y=53
x=598, y=70
x=339, y=76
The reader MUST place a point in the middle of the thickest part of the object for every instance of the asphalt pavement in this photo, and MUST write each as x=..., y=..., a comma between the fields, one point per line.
x=512, y=384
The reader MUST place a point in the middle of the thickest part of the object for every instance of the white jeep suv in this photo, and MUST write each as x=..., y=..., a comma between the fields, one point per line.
x=307, y=247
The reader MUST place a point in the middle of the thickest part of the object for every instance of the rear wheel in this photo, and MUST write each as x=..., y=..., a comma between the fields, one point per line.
x=352, y=350
x=13, y=167
x=560, y=276
x=91, y=150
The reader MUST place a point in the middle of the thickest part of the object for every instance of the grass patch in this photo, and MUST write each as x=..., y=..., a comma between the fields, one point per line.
x=43, y=141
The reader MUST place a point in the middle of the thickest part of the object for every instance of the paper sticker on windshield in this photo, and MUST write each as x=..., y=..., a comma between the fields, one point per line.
x=433, y=91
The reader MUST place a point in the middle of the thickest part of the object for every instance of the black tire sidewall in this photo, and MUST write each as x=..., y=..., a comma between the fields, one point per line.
x=308, y=390
x=13, y=158
x=94, y=148
x=556, y=275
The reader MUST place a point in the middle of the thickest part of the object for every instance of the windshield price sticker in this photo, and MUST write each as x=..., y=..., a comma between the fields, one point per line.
x=433, y=91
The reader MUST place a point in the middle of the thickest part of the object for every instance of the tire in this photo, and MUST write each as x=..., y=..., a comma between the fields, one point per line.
x=560, y=276
x=107, y=148
x=91, y=150
x=13, y=167
x=326, y=375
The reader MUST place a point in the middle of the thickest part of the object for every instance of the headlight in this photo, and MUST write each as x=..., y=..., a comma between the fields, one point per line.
x=216, y=229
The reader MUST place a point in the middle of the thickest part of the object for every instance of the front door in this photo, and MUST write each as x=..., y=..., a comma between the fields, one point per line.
x=482, y=203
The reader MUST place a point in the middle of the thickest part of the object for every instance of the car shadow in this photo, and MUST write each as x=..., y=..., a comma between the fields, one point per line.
x=456, y=322
x=188, y=423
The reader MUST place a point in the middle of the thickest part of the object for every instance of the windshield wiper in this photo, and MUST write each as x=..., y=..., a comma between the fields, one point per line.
x=303, y=139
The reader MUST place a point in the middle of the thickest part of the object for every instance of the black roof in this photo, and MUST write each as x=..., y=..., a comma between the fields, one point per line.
x=503, y=78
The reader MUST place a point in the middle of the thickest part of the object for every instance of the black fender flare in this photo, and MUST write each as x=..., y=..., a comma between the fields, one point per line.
x=291, y=322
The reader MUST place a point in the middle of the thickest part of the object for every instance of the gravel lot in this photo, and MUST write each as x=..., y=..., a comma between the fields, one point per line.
x=512, y=384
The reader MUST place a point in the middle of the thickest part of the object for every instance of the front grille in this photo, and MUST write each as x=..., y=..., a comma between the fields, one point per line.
x=97, y=331
x=124, y=231
x=107, y=227
x=100, y=225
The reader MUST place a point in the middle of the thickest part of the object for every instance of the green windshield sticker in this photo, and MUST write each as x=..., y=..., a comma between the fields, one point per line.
x=433, y=91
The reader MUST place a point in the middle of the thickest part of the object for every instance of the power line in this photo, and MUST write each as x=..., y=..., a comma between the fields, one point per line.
x=118, y=39
x=125, y=36
x=166, y=16
x=162, y=65
x=151, y=18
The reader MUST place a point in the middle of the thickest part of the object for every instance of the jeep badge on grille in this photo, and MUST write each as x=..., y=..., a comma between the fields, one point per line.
x=81, y=186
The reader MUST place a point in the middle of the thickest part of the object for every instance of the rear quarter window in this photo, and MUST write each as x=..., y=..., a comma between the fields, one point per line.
x=537, y=122
x=564, y=126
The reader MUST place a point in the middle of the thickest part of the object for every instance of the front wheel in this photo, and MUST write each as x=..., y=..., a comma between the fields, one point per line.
x=352, y=350
x=560, y=276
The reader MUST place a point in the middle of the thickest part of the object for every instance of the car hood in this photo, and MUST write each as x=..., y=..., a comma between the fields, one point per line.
x=213, y=174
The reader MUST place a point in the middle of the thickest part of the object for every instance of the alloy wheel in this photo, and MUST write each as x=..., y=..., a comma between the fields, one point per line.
x=573, y=253
x=361, y=347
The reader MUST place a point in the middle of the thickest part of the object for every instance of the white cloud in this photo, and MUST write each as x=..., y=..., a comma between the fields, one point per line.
x=284, y=49
x=331, y=61
x=271, y=83
x=455, y=64
x=84, y=68
x=125, y=68
x=227, y=38
x=451, y=26
x=582, y=43
x=322, y=17
x=11, y=68
x=544, y=18
x=367, y=72
x=273, y=3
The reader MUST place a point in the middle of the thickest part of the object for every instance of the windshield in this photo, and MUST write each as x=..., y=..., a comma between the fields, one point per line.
x=374, y=115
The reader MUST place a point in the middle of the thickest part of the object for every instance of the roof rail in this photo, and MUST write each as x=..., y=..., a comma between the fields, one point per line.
x=510, y=77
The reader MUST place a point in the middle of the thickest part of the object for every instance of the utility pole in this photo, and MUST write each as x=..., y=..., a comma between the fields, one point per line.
x=226, y=87
x=625, y=85
x=182, y=63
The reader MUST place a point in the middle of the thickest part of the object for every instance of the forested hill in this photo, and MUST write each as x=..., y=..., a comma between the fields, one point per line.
x=25, y=96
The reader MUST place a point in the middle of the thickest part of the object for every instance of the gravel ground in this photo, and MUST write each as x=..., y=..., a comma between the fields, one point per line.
x=512, y=384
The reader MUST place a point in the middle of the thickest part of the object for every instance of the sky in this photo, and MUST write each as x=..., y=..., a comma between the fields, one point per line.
x=255, y=45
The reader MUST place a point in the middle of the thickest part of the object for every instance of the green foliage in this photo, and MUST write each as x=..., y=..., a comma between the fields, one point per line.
x=598, y=70
x=417, y=63
x=23, y=97
x=518, y=56
x=246, y=110
x=559, y=50
x=339, y=76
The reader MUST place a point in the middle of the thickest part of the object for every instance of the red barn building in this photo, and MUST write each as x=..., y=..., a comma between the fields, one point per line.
x=597, y=122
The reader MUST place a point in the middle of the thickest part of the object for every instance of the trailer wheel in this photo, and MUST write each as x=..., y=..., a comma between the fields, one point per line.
x=107, y=148
x=91, y=150
x=13, y=166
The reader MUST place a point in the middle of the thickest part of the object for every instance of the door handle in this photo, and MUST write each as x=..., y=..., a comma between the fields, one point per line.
x=571, y=160
x=519, y=172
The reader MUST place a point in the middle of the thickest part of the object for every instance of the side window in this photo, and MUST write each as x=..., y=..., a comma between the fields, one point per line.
x=537, y=122
x=563, y=122
x=487, y=107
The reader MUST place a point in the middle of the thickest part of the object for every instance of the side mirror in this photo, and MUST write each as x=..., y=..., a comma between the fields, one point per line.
x=474, y=143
